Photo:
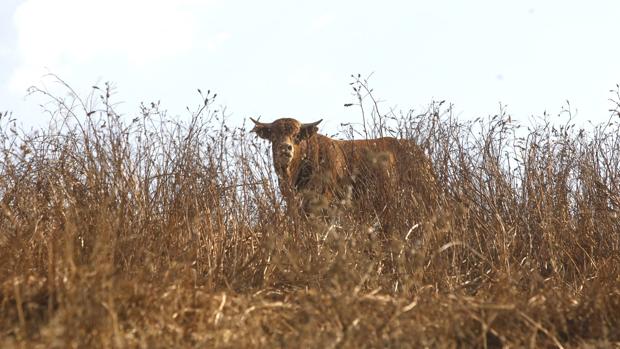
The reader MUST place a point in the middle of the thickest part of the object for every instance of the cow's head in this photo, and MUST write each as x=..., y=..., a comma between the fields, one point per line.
x=285, y=136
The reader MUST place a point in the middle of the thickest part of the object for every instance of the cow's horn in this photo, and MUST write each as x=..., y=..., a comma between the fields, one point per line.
x=311, y=124
x=258, y=123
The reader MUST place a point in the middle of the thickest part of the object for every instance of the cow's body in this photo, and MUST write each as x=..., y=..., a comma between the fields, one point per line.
x=328, y=170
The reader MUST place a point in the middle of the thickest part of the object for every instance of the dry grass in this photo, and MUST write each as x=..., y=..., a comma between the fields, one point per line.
x=155, y=233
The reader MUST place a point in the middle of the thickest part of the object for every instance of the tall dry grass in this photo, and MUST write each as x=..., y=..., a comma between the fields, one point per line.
x=154, y=232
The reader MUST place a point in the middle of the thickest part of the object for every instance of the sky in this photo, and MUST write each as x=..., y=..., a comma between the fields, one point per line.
x=293, y=58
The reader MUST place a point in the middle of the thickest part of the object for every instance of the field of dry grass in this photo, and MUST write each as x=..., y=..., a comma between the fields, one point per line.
x=157, y=233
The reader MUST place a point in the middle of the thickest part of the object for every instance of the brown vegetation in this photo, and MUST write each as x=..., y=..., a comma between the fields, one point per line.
x=155, y=233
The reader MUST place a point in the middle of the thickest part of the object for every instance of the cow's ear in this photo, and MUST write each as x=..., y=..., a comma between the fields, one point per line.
x=262, y=131
x=308, y=130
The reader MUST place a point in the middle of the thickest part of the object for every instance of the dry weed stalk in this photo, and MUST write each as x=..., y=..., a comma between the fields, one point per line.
x=162, y=233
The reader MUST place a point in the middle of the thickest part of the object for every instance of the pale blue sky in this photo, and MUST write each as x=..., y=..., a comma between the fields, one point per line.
x=294, y=58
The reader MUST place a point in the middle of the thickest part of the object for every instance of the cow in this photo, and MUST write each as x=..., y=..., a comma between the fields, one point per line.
x=321, y=171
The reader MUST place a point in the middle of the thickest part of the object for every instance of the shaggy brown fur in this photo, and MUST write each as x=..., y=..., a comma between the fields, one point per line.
x=323, y=169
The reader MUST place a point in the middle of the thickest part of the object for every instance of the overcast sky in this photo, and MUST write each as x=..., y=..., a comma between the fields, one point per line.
x=295, y=58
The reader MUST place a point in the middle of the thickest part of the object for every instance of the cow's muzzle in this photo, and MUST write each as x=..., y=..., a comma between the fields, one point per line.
x=286, y=152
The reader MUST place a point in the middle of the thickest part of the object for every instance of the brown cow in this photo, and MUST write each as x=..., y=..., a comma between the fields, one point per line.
x=323, y=169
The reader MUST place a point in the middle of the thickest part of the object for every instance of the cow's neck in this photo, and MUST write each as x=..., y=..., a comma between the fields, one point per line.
x=286, y=183
x=288, y=174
